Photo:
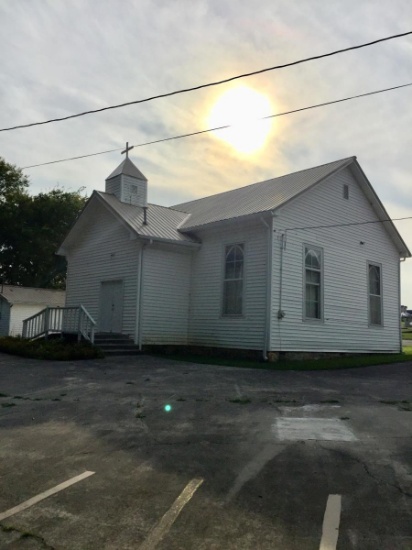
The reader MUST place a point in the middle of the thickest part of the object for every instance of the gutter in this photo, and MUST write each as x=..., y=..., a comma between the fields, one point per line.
x=152, y=239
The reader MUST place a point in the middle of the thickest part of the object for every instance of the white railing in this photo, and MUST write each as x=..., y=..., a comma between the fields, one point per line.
x=52, y=320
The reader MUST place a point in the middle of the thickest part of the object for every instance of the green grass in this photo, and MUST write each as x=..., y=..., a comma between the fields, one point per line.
x=53, y=349
x=305, y=365
x=240, y=400
x=407, y=334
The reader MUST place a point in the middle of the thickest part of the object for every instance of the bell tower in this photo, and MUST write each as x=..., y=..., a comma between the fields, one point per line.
x=127, y=183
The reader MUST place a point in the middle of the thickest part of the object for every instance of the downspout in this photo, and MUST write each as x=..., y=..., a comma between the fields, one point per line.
x=281, y=313
x=139, y=298
x=266, y=339
x=399, y=297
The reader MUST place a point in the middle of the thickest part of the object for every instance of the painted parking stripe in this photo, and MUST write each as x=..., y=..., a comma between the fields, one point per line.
x=45, y=494
x=164, y=525
x=330, y=528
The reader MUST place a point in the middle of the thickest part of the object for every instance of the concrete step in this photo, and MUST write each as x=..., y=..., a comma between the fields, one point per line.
x=119, y=344
x=121, y=351
x=111, y=336
x=116, y=344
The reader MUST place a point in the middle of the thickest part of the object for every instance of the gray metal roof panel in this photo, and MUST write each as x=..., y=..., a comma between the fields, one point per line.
x=38, y=296
x=128, y=169
x=258, y=197
x=162, y=222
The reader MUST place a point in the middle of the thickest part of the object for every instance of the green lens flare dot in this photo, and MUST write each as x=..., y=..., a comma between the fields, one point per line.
x=168, y=408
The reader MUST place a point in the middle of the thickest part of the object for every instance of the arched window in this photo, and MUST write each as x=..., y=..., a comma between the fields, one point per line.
x=233, y=280
x=313, y=283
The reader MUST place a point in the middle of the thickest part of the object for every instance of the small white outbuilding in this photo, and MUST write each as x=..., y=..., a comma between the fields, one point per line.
x=306, y=262
x=18, y=303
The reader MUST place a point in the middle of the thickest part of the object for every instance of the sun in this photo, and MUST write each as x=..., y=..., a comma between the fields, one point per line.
x=241, y=107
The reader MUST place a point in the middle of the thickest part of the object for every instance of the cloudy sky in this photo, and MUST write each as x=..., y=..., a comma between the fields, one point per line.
x=61, y=58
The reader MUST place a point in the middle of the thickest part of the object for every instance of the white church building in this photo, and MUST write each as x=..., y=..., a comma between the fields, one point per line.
x=306, y=262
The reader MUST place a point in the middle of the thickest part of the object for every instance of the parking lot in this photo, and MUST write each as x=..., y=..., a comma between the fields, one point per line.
x=144, y=453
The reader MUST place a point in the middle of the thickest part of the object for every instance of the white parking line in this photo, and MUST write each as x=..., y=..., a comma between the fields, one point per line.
x=160, y=530
x=44, y=495
x=330, y=528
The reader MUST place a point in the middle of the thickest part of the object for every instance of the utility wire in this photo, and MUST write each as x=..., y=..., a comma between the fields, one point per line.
x=191, y=134
x=215, y=83
x=75, y=158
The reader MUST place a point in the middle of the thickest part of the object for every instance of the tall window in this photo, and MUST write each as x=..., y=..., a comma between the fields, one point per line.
x=233, y=281
x=346, y=191
x=313, y=282
x=375, y=294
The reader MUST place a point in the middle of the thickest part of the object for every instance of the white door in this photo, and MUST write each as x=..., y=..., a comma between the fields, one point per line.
x=111, y=306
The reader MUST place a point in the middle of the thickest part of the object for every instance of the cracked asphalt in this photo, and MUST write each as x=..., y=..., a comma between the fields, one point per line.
x=269, y=446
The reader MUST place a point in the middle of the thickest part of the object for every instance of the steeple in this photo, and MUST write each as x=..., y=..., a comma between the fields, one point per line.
x=127, y=183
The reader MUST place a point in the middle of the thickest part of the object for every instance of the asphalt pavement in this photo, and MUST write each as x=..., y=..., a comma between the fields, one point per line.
x=144, y=453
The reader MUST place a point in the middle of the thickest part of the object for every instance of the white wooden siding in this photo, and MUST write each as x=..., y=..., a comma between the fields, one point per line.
x=165, y=300
x=103, y=253
x=207, y=325
x=4, y=317
x=345, y=324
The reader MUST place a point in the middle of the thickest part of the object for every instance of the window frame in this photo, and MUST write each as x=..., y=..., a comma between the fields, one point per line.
x=224, y=280
x=379, y=265
x=346, y=191
x=318, y=249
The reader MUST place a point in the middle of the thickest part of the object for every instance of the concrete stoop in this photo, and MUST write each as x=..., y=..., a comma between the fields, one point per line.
x=115, y=344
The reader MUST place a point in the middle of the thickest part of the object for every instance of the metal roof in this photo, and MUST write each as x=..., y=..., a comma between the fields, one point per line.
x=162, y=222
x=39, y=296
x=179, y=223
x=127, y=168
x=258, y=197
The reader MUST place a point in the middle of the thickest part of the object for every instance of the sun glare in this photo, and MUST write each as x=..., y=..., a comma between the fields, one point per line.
x=241, y=107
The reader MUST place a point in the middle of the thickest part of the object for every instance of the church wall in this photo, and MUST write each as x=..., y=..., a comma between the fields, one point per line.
x=346, y=250
x=166, y=291
x=103, y=252
x=207, y=324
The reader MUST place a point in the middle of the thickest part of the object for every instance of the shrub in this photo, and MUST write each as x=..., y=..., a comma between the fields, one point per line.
x=57, y=350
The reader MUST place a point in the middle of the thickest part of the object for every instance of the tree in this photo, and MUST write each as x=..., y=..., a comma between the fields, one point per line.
x=31, y=230
x=12, y=181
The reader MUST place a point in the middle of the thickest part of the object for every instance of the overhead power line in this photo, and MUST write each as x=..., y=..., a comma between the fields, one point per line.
x=217, y=128
x=209, y=84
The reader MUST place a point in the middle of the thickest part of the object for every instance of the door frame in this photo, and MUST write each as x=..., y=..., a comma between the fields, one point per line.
x=121, y=281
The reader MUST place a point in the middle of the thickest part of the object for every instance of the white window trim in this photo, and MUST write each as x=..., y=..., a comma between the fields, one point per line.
x=377, y=264
x=320, y=250
x=222, y=312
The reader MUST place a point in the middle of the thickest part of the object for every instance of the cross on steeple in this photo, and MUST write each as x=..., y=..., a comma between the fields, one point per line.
x=127, y=149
